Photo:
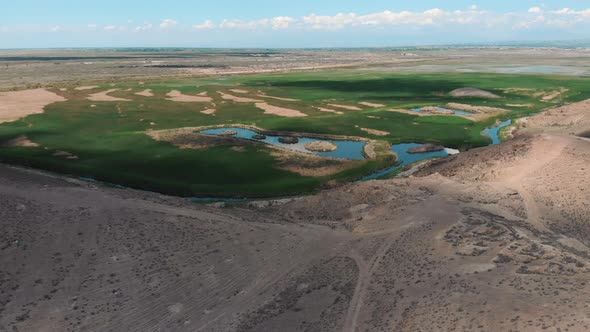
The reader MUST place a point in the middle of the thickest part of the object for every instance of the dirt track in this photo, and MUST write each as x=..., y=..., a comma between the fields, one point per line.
x=494, y=239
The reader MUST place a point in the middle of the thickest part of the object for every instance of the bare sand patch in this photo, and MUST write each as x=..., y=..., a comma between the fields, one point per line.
x=238, y=99
x=346, y=107
x=189, y=138
x=277, y=98
x=426, y=148
x=209, y=111
x=554, y=94
x=18, y=104
x=311, y=165
x=280, y=111
x=436, y=110
x=375, y=132
x=364, y=103
x=89, y=87
x=145, y=93
x=322, y=109
x=104, y=96
x=473, y=92
x=21, y=141
x=239, y=91
x=476, y=109
x=321, y=146
x=178, y=96
x=521, y=91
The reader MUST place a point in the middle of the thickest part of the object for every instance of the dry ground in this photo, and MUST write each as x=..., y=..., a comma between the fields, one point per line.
x=19, y=104
x=494, y=239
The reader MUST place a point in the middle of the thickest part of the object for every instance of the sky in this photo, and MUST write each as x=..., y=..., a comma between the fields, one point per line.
x=287, y=24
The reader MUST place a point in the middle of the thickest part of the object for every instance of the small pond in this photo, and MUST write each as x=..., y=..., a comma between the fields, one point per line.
x=455, y=112
x=493, y=132
x=404, y=158
x=352, y=150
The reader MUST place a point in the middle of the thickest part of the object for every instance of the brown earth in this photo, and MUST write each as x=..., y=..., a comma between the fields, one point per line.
x=426, y=148
x=279, y=111
x=90, y=87
x=323, y=109
x=311, y=165
x=209, y=111
x=145, y=93
x=321, y=146
x=364, y=103
x=104, y=96
x=493, y=239
x=473, y=92
x=238, y=99
x=572, y=119
x=189, y=138
x=476, y=109
x=239, y=91
x=178, y=96
x=553, y=94
x=375, y=132
x=19, y=104
x=346, y=107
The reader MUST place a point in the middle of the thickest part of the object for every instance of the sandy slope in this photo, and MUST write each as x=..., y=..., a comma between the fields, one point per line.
x=494, y=239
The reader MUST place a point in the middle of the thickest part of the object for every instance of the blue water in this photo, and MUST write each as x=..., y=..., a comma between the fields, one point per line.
x=352, y=150
x=492, y=132
x=455, y=112
x=404, y=158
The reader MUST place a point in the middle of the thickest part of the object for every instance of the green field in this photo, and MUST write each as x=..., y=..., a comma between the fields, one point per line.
x=110, y=143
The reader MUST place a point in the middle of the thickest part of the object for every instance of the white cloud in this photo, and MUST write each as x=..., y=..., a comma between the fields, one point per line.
x=207, y=25
x=568, y=11
x=281, y=22
x=109, y=27
x=276, y=23
x=92, y=26
x=55, y=28
x=144, y=27
x=535, y=10
x=339, y=21
x=168, y=23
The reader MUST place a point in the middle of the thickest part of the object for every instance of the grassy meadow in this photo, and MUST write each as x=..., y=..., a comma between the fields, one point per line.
x=109, y=142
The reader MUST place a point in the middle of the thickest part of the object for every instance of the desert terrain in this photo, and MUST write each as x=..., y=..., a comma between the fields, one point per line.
x=493, y=239
x=43, y=68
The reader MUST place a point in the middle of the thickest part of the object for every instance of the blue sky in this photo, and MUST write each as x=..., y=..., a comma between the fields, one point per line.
x=301, y=23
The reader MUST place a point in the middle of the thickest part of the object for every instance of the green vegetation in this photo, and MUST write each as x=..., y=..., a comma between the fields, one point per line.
x=110, y=143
